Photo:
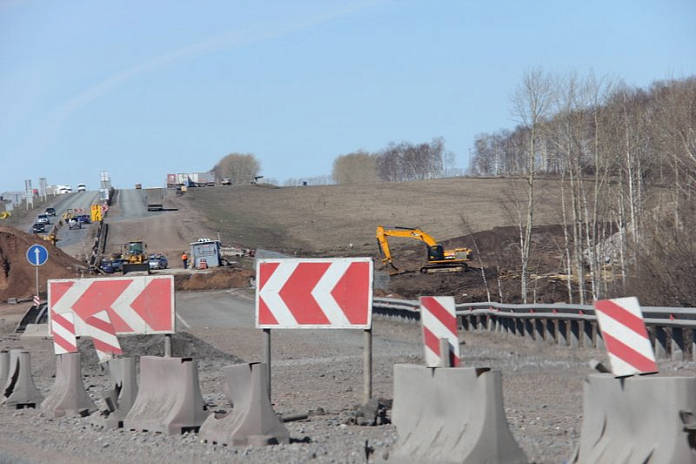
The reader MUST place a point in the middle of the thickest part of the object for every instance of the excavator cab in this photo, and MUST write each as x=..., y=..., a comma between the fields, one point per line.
x=436, y=253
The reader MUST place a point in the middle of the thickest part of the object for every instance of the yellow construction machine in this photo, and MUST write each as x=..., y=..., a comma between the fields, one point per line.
x=437, y=258
x=50, y=237
x=134, y=257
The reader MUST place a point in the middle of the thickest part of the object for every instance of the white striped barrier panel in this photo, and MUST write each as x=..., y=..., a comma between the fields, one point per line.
x=672, y=330
x=625, y=336
x=439, y=323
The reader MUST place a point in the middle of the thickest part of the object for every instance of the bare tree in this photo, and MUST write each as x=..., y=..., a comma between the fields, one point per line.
x=355, y=167
x=405, y=161
x=239, y=168
x=530, y=105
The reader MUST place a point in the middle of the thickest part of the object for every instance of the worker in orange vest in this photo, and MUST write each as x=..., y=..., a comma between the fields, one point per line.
x=184, y=258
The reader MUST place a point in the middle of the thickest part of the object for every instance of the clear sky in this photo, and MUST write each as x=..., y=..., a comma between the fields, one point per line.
x=145, y=88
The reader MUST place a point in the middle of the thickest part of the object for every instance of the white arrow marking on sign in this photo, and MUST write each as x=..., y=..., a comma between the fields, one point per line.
x=271, y=294
x=122, y=305
x=36, y=255
x=69, y=298
x=322, y=292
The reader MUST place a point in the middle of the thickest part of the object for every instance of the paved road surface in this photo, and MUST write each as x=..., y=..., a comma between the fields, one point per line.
x=224, y=309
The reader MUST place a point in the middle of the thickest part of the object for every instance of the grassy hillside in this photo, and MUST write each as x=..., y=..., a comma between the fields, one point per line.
x=328, y=219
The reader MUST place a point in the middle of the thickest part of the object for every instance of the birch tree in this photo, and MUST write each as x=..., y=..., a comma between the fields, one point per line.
x=530, y=105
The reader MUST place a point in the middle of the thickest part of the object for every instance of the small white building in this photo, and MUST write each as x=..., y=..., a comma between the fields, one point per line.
x=205, y=253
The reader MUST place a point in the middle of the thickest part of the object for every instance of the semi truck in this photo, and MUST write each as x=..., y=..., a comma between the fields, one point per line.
x=155, y=199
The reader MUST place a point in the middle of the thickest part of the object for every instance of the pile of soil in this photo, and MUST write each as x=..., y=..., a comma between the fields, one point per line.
x=184, y=345
x=214, y=279
x=18, y=276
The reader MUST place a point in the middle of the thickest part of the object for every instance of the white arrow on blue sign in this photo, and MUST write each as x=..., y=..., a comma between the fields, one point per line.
x=37, y=255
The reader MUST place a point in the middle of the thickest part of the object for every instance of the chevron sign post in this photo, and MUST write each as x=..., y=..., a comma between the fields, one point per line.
x=625, y=336
x=330, y=293
x=334, y=293
x=439, y=321
x=135, y=305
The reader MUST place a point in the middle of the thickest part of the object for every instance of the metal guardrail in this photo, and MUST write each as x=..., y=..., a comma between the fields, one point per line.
x=672, y=330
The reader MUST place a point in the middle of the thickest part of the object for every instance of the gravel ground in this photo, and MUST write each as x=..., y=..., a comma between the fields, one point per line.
x=314, y=372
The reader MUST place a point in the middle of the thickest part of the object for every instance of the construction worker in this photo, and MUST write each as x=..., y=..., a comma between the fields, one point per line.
x=184, y=258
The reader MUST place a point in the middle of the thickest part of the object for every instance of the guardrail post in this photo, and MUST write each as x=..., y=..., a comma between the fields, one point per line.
x=504, y=325
x=677, y=344
x=562, y=332
x=492, y=322
x=660, y=342
x=529, y=328
x=519, y=327
x=587, y=334
x=600, y=339
x=464, y=323
x=574, y=334
x=539, y=328
x=551, y=330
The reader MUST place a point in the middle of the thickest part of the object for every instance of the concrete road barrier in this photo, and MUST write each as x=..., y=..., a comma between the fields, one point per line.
x=4, y=370
x=252, y=420
x=19, y=390
x=119, y=399
x=451, y=415
x=638, y=420
x=169, y=399
x=68, y=395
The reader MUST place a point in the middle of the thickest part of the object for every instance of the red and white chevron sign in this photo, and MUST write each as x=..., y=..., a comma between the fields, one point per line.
x=625, y=336
x=63, y=333
x=103, y=335
x=331, y=293
x=439, y=320
x=135, y=305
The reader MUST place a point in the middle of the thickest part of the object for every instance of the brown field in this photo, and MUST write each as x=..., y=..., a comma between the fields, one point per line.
x=340, y=220
x=328, y=219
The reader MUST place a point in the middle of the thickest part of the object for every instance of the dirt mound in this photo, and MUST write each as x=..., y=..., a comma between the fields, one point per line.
x=17, y=275
x=184, y=345
x=214, y=279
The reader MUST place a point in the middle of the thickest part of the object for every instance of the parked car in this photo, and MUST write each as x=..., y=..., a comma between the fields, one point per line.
x=84, y=218
x=50, y=211
x=39, y=228
x=117, y=264
x=73, y=223
x=158, y=261
x=43, y=219
x=107, y=266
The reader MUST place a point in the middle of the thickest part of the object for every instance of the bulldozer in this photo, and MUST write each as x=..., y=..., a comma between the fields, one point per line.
x=135, y=257
x=438, y=259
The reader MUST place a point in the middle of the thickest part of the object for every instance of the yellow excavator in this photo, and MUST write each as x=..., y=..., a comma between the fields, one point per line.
x=135, y=257
x=438, y=258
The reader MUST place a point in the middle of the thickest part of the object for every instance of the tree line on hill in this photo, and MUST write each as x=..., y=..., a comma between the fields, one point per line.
x=626, y=160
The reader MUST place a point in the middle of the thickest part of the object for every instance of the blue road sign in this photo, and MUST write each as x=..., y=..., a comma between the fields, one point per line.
x=37, y=255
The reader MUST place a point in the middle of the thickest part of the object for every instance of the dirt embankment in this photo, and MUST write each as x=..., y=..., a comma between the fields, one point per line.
x=18, y=276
